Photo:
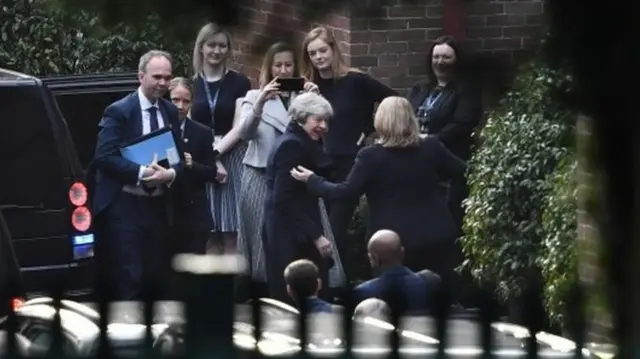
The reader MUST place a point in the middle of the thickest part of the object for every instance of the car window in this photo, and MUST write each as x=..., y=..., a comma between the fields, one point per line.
x=31, y=165
x=83, y=112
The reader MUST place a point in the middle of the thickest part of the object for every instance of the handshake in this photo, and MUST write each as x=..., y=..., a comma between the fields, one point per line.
x=155, y=175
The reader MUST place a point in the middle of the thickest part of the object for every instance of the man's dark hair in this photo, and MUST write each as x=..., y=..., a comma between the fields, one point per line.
x=302, y=277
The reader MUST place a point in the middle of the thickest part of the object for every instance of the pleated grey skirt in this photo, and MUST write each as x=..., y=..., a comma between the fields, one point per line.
x=223, y=197
x=251, y=219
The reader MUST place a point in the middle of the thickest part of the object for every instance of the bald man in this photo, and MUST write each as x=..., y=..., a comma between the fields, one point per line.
x=402, y=289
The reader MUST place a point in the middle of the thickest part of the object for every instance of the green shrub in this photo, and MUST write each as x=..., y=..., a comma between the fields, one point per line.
x=559, y=256
x=42, y=41
x=527, y=135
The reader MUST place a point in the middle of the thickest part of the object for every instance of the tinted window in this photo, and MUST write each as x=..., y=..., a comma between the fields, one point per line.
x=31, y=166
x=83, y=112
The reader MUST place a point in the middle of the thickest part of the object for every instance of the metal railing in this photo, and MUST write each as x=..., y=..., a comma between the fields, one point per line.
x=212, y=325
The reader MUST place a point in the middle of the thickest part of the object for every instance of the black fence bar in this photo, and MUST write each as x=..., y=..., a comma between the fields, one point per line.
x=208, y=331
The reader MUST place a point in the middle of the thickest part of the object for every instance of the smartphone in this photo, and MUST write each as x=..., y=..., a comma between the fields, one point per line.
x=291, y=84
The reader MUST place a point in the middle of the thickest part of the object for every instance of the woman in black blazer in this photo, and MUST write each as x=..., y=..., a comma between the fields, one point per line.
x=449, y=109
x=296, y=226
x=399, y=175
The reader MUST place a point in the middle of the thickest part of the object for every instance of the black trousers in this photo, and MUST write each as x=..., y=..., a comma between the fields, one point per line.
x=133, y=236
x=341, y=211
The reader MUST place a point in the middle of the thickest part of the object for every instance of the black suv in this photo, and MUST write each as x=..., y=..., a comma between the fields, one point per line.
x=47, y=142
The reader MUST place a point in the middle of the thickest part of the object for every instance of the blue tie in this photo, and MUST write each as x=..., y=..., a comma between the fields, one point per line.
x=153, y=118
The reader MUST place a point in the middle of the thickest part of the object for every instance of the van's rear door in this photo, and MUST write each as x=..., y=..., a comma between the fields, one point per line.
x=82, y=100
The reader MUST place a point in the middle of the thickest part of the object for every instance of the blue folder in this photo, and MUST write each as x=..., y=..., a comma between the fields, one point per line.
x=160, y=143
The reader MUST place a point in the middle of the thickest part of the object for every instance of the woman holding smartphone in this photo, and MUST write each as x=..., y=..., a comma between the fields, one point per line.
x=264, y=118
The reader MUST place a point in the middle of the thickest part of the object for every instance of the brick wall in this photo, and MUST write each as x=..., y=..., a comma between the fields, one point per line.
x=391, y=41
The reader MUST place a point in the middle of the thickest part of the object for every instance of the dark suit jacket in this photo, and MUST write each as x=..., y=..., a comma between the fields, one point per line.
x=292, y=219
x=399, y=287
x=121, y=123
x=455, y=115
x=293, y=213
x=190, y=195
x=402, y=190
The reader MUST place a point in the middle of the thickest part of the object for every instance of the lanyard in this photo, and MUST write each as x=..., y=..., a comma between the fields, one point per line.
x=212, y=98
x=431, y=100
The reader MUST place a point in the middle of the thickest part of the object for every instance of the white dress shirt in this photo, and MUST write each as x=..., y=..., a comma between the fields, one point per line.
x=145, y=105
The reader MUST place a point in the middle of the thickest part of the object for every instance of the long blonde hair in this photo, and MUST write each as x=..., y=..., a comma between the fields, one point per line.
x=395, y=123
x=338, y=65
x=205, y=34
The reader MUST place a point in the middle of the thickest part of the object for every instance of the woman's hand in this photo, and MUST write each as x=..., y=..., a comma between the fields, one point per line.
x=221, y=172
x=301, y=174
x=310, y=87
x=268, y=91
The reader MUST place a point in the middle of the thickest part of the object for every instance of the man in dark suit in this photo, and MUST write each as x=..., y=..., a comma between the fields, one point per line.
x=402, y=289
x=194, y=222
x=131, y=202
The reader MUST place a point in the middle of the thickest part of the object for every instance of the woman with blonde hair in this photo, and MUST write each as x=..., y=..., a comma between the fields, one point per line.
x=353, y=95
x=399, y=175
x=216, y=90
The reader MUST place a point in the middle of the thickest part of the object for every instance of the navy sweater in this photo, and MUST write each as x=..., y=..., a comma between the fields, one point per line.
x=353, y=97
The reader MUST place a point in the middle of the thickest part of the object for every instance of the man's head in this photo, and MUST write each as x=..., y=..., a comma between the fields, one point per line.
x=372, y=307
x=302, y=279
x=154, y=74
x=385, y=249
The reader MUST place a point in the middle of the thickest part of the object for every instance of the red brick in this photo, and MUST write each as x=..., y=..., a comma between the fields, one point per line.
x=433, y=34
x=472, y=45
x=388, y=60
x=388, y=24
x=529, y=7
x=484, y=8
x=358, y=49
x=368, y=36
x=484, y=32
x=505, y=20
x=412, y=59
x=391, y=38
x=388, y=48
x=534, y=19
x=425, y=23
x=407, y=11
x=338, y=21
x=434, y=11
x=359, y=24
x=406, y=35
x=519, y=31
x=401, y=81
x=364, y=61
x=380, y=72
x=418, y=46
x=417, y=71
x=476, y=21
x=283, y=9
x=502, y=44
